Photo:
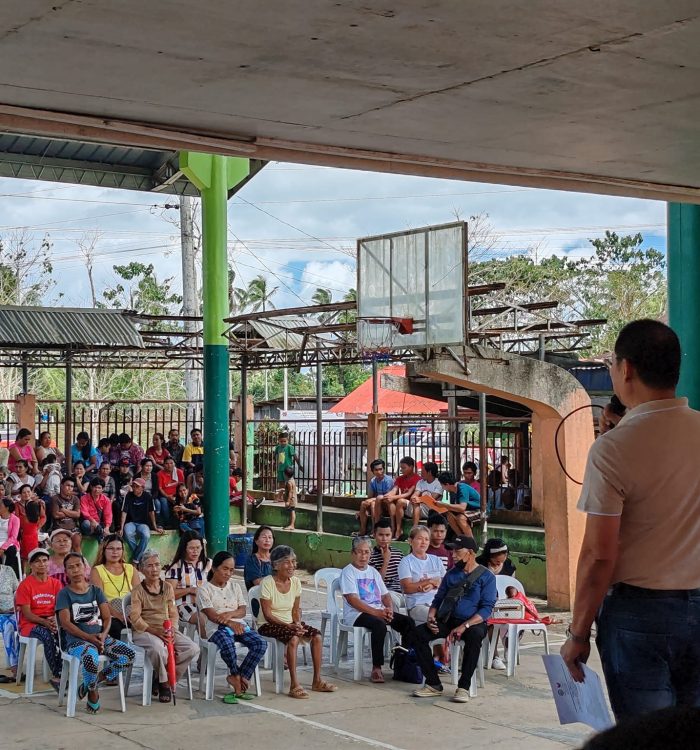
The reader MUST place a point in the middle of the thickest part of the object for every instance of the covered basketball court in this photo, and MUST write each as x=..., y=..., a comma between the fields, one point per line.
x=594, y=98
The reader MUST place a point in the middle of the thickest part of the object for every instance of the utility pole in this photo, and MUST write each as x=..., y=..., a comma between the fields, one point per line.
x=193, y=391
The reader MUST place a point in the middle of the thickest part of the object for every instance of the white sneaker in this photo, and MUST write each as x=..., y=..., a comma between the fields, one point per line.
x=498, y=664
x=461, y=696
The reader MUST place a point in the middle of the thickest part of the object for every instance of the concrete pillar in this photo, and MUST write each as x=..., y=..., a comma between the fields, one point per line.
x=25, y=412
x=376, y=428
x=684, y=293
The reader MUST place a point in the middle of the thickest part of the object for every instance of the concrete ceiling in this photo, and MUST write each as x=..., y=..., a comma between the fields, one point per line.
x=601, y=96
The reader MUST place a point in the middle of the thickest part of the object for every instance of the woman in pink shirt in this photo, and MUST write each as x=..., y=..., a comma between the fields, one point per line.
x=9, y=533
x=21, y=449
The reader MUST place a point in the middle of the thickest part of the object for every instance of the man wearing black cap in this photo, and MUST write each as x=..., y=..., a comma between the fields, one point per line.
x=459, y=611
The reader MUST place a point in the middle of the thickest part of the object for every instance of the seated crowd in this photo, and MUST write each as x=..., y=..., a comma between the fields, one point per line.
x=114, y=488
x=440, y=593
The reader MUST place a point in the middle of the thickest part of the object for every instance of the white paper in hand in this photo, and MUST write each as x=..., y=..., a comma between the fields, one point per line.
x=577, y=701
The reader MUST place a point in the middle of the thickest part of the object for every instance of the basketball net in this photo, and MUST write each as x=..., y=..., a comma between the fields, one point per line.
x=377, y=338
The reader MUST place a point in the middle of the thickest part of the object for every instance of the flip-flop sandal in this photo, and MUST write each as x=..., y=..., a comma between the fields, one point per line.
x=324, y=687
x=164, y=695
x=230, y=698
x=299, y=693
x=245, y=696
x=93, y=708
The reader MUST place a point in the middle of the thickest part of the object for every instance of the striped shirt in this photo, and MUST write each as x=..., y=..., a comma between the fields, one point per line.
x=391, y=579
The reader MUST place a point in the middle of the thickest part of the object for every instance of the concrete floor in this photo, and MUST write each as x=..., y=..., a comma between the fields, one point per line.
x=518, y=712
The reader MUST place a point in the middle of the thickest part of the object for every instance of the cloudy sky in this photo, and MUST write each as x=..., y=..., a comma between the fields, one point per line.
x=297, y=225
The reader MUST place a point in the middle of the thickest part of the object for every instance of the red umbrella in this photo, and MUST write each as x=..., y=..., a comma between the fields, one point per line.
x=172, y=675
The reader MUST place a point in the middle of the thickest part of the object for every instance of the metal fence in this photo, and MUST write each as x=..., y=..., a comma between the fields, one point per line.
x=446, y=441
x=101, y=418
x=344, y=464
x=450, y=441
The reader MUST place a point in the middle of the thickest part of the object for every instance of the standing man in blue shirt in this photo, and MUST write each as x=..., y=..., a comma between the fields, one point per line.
x=459, y=611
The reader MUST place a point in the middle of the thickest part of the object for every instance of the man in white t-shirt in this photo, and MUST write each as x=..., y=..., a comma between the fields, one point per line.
x=427, y=485
x=638, y=574
x=367, y=603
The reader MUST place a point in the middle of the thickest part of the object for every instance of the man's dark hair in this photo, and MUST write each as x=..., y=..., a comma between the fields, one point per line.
x=445, y=477
x=431, y=468
x=654, y=351
x=436, y=519
x=97, y=482
x=50, y=459
x=194, y=430
x=103, y=442
x=65, y=480
x=383, y=523
x=469, y=465
x=124, y=437
x=283, y=435
x=408, y=461
x=376, y=463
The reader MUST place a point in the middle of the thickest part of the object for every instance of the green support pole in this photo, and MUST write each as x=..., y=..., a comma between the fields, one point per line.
x=214, y=175
x=684, y=293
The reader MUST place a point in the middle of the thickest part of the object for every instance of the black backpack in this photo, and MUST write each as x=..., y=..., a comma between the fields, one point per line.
x=405, y=666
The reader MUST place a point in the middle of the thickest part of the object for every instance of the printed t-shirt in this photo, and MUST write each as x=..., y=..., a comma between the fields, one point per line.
x=391, y=577
x=84, y=610
x=284, y=458
x=367, y=584
x=41, y=598
x=281, y=603
x=416, y=569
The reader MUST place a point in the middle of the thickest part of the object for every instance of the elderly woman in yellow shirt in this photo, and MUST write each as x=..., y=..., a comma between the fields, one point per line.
x=280, y=618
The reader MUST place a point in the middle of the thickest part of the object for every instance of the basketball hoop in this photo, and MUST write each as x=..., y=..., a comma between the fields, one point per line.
x=376, y=337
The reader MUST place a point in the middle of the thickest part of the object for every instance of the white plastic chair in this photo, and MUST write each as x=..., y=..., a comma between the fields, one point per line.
x=327, y=576
x=274, y=647
x=512, y=630
x=358, y=635
x=207, y=671
x=456, y=660
x=70, y=677
x=28, y=651
x=147, y=666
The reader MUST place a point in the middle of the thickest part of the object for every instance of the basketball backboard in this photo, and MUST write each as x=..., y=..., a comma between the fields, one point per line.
x=419, y=274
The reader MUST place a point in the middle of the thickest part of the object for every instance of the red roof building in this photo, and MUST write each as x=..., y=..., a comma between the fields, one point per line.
x=390, y=402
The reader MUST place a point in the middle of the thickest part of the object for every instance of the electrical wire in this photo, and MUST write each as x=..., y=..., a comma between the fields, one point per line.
x=556, y=438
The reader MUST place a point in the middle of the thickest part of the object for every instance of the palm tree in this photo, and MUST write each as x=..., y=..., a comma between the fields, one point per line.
x=259, y=295
x=322, y=297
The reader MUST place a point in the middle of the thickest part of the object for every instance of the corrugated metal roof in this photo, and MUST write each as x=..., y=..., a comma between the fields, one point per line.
x=274, y=331
x=66, y=328
x=98, y=164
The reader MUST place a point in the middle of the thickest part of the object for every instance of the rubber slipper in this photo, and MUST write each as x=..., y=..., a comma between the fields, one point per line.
x=93, y=708
x=230, y=698
x=245, y=696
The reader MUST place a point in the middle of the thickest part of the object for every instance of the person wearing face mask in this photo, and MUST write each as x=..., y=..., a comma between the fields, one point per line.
x=459, y=611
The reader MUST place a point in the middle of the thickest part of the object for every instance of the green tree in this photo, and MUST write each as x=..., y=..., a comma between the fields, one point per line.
x=622, y=281
x=145, y=294
x=258, y=295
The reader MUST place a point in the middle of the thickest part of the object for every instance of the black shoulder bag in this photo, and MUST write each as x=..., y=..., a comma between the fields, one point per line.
x=455, y=593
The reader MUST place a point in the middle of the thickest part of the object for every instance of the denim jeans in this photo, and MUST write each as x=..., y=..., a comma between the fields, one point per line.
x=163, y=512
x=650, y=649
x=193, y=524
x=144, y=534
x=85, y=530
